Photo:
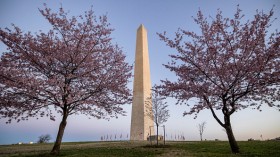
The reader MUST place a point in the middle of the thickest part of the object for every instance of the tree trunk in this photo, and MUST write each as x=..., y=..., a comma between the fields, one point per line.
x=233, y=144
x=227, y=125
x=200, y=137
x=163, y=135
x=56, y=147
x=157, y=134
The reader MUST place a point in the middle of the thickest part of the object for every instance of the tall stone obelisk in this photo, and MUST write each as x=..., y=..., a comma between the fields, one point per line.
x=141, y=123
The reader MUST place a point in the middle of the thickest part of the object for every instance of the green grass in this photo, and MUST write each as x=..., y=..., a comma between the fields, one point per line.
x=222, y=148
x=141, y=149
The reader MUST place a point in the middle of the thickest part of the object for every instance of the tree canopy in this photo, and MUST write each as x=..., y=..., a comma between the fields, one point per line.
x=74, y=68
x=231, y=65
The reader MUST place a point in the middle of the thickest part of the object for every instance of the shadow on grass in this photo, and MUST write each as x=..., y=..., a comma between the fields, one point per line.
x=108, y=152
x=134, y=149
x=222, y=148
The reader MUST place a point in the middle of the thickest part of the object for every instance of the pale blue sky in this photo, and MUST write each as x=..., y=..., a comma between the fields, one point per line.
x=126, y=16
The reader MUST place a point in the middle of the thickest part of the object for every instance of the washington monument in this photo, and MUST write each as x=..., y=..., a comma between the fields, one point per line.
x=141, y=123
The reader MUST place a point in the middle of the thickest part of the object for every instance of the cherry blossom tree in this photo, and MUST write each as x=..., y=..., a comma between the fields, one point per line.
x=74, y=68
x=231, y=65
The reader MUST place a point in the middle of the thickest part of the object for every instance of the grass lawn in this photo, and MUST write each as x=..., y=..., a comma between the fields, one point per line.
x=141, y=149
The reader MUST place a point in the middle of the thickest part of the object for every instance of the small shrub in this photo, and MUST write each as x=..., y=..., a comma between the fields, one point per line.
x=44, y=138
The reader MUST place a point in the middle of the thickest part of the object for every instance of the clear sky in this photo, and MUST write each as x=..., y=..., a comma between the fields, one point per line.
x=126, y=16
